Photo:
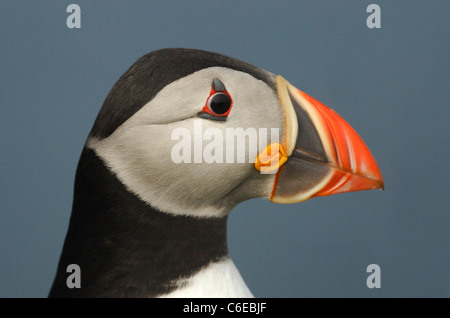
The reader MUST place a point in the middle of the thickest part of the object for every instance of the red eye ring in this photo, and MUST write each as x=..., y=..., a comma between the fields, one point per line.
x=219, y=104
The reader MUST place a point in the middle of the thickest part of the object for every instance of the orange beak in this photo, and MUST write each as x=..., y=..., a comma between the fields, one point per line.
x=325, y=155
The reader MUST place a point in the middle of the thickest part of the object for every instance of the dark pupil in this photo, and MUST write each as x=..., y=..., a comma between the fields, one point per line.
x=220, y=103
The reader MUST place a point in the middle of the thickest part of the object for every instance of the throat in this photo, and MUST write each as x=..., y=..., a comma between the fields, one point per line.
x=126, y=248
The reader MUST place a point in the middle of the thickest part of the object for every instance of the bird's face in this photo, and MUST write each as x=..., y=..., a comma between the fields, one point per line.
x=199, y=146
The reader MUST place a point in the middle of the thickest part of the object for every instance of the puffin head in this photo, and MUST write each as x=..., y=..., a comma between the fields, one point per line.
x=195, y=133
x=182, y=138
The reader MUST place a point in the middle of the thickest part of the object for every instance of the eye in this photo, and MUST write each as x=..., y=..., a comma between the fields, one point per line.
x=219, y=103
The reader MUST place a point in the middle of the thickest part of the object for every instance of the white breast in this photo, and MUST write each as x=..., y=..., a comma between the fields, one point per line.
x=220, y=279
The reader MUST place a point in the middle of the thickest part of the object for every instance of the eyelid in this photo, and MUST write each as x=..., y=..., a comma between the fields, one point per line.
x=210, y=116
x=218, y=86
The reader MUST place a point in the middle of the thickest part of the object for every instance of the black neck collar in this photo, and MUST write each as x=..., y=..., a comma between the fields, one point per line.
x=126, y=248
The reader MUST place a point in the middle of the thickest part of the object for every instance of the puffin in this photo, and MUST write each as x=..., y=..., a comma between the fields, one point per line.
x=183, y=137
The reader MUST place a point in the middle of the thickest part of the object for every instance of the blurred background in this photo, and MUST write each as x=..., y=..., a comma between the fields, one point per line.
x=391, y=84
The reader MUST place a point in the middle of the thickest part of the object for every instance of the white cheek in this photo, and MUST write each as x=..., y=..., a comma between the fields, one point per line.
x=141, y=159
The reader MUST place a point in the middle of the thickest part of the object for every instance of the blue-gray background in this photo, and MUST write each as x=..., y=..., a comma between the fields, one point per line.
x=391, y=84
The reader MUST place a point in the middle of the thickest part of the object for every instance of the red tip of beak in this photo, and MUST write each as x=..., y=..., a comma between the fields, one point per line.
x=354, y=167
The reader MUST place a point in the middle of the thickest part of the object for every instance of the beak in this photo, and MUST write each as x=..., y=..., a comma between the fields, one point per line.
x=324, y=153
